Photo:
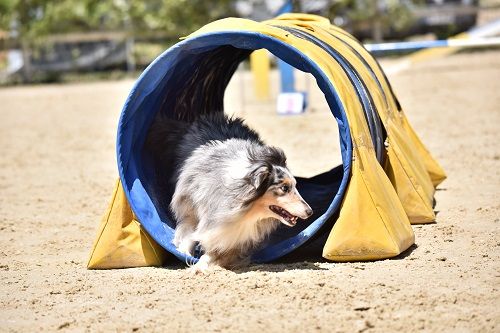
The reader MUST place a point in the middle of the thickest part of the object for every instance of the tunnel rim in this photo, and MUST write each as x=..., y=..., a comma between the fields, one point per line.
x=128, y=173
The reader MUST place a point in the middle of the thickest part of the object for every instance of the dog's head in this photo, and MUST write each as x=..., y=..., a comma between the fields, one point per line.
x=275, y=191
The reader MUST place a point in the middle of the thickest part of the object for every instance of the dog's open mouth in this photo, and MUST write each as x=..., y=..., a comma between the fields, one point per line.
x=287, y=218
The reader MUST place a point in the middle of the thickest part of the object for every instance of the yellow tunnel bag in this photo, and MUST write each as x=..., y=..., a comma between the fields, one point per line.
x=417, y=193
x=380, y=202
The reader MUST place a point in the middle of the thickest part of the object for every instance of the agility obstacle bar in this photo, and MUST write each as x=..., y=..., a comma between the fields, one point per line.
x=418, y=45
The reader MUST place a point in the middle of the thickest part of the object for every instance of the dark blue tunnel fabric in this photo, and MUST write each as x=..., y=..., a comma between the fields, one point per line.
x=190, y=79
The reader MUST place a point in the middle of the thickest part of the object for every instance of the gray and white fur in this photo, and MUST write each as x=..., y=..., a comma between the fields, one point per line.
x=231, y=190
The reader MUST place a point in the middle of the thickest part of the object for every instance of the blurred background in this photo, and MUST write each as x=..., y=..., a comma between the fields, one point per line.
x=73, y=40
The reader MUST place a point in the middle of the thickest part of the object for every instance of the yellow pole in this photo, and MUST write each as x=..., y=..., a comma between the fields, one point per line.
x=260, y=65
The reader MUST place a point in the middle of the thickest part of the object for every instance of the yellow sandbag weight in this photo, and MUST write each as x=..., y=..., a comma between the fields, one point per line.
x=121, y=242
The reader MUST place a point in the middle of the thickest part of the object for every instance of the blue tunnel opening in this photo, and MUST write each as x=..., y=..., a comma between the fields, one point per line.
x=189, y=79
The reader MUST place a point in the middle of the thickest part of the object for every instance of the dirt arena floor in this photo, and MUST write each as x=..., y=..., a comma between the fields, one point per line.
x=57, y=171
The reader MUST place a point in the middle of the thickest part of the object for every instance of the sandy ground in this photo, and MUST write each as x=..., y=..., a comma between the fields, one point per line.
x=57, y=171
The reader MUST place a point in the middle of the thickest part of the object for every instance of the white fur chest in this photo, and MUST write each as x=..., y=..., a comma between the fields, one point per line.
x=241, y=234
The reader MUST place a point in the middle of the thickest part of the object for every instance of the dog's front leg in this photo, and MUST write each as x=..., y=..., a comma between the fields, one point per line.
x=203, y=265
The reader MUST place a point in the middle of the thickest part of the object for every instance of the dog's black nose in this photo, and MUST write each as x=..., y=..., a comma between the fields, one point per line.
x=309, y=212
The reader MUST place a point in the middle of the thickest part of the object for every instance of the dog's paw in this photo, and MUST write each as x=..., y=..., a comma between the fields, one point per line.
x=200, y=268
x=204, y=266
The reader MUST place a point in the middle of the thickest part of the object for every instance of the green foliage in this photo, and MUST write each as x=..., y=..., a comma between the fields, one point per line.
x=6, y=10
x=34, y=19
x=185, y=16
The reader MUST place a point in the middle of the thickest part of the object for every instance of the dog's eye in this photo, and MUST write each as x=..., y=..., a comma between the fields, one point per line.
x=285, y=188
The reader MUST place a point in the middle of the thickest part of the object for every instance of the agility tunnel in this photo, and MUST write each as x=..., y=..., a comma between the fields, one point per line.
x=364, y=208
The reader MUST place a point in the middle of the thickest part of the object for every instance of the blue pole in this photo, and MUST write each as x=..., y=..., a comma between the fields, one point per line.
x=286, y=77
x=286, y=71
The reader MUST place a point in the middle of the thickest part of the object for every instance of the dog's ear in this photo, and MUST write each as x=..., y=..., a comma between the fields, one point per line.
x=260, y=175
